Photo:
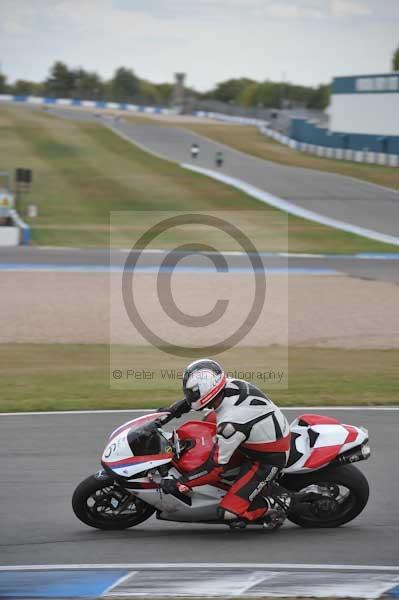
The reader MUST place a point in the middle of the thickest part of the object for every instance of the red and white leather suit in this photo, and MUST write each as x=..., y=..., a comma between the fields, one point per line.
x=246, y=420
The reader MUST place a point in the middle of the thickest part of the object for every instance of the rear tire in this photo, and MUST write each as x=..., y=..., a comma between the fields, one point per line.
x=94, y=499
x=348, y=477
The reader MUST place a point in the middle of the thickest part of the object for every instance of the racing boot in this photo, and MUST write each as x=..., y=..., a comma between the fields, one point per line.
x=232, y=520
x=277, y=509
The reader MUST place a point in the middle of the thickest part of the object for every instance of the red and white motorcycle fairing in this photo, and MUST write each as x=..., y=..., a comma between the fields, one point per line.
x=316, y=441
x=119, y=457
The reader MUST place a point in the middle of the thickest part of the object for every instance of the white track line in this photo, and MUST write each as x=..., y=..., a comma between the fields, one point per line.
x=118, y=582
x=146, y=566
x=360, y=256
x=291, y=208
x=267, y=198
x=150, y=410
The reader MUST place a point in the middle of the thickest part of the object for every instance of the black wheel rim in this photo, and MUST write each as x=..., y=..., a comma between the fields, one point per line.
x=333, y=504
x=111, y=503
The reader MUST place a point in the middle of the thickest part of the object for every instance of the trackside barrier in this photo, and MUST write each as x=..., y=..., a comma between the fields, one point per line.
x=93, y=104
x=361, y=156
x=229, y=118
x=9, y=236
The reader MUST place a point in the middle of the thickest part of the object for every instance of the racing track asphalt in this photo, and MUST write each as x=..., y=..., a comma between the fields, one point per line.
x=45, y=456
x=335, y=196
x=24, y=257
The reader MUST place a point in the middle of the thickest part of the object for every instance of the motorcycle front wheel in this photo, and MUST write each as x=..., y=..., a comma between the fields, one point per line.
x=331, y=497
x=101, y=503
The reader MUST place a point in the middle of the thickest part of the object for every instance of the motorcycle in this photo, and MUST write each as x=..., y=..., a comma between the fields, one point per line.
x=325, y=488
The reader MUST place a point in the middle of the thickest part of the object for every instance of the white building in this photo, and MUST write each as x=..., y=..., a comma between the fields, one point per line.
x=365, y=104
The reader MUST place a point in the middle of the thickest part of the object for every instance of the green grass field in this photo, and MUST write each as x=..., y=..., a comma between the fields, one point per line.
x=72, y=377
x=251, y=141
x=83, y=171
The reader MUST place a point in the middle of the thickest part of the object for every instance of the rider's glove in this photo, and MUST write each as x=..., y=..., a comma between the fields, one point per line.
x=177, y=409
x=170, y=485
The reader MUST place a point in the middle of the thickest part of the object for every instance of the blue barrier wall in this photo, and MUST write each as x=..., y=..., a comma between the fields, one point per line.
x=308, y=132
x=76, y=102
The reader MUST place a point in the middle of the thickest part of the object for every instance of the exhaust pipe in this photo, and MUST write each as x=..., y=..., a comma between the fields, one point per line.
x=352, y=456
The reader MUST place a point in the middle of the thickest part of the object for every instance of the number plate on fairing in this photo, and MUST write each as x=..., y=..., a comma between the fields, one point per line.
x=119, y=457
x=117, y=448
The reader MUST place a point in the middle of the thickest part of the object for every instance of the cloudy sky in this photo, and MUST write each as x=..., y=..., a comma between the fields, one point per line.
x=303, y=41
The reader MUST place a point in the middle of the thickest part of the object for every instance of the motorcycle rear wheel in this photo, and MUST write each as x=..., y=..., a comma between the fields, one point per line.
x=96, y=502
x=351, y=496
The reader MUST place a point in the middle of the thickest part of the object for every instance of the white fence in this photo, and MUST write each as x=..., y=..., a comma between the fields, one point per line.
x=361, y=156
x=9, y=236
x=230, y=118
x=92, y=104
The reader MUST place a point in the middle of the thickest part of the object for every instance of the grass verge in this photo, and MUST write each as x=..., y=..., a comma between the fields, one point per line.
x=83, y=171
x=71, y=377
x=249, y=140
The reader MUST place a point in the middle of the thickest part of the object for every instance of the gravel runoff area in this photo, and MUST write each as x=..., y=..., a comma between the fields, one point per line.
x=327, y=311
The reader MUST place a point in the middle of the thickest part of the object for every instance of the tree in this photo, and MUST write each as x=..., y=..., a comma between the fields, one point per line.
x=271, y=94
x=230, y=90
x=87, y=86
x=149, y=93
x=268, y=94
x=248, y=95
x=165, y=91
x=22, y=87
x=60, y=83
x=3, y=83
x=395, y=60
x=125, y=85
x=319, y=98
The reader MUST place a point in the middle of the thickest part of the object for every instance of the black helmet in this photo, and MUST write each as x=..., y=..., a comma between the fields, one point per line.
x=202, y=381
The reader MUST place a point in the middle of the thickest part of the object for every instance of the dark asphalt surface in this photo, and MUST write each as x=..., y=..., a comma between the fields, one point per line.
x=335, y=196
x=368, y=268
x=45, y=456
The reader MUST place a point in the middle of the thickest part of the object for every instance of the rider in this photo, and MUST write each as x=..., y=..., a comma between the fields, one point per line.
x=245, y=419
x=194, y=150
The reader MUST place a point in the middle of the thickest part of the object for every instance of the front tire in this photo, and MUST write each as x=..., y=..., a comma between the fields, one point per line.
x=349, y=492
x=101, y=503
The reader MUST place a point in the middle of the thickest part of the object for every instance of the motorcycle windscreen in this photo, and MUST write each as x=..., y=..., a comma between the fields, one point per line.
x=137, y=450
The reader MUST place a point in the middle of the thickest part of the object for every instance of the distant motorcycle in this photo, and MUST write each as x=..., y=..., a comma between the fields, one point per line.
x=219, y=159
x=194, y=150
x=326, y=489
